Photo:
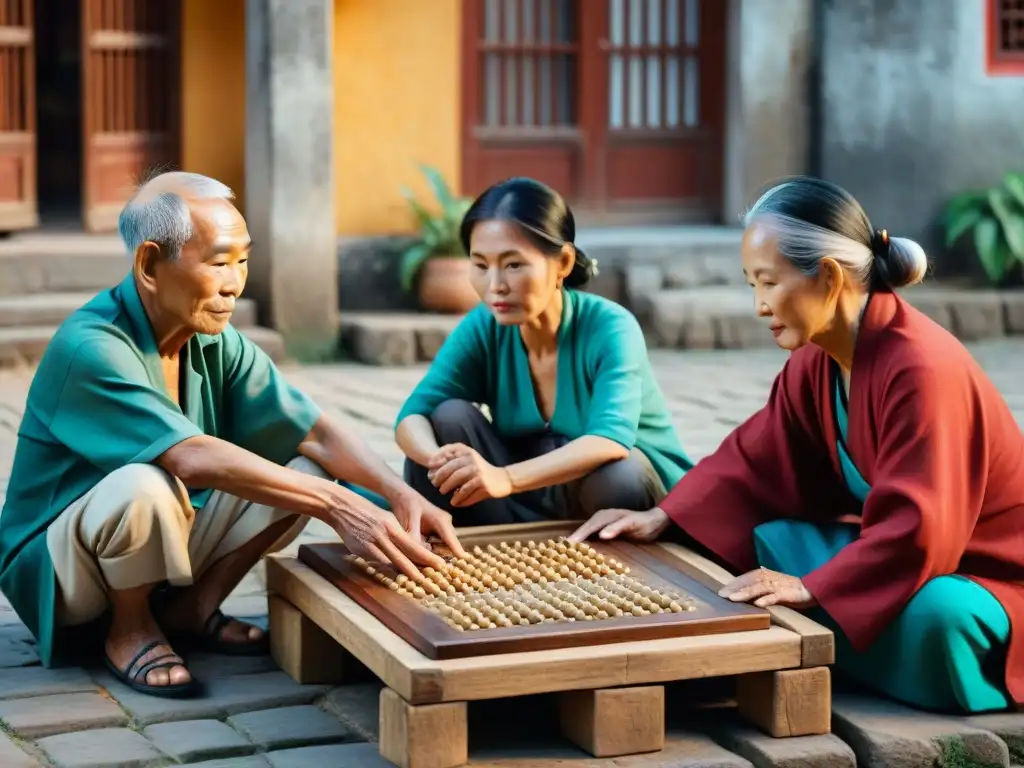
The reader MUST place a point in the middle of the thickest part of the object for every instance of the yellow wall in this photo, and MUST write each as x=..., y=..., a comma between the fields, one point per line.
x=213, y=87
x=397, y=81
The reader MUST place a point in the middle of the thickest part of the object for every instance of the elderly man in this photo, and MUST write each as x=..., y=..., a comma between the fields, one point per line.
x=162, y=454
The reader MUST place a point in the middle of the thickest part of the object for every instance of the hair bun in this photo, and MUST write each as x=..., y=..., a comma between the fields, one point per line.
x=898, y=262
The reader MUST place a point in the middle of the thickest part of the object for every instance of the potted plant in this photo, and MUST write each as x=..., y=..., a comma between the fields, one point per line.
x=995, y=219
x=436, y=265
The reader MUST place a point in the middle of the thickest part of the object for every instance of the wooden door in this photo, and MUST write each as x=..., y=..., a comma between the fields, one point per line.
x=520, y=94
x=620, y=108
x=661, y=136
x=18, y=205
x=130, y=97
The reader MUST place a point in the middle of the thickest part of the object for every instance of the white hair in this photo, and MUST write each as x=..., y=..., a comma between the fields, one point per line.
x=158, y=212
x=865, y=254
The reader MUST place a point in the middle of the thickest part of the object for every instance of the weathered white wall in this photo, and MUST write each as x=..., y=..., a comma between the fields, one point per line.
x=768, y=115
x=909, y=115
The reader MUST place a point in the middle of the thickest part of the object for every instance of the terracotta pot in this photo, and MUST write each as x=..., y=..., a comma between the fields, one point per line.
x=444, y=285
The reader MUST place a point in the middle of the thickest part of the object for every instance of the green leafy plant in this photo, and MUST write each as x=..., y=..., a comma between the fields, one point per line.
x=438, y=232
x=995, y=218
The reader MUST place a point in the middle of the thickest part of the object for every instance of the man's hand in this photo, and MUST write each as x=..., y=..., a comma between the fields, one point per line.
x=420, y=518
x=377, y=536
x=766, y=588
x=461, y=471
x=636, y=526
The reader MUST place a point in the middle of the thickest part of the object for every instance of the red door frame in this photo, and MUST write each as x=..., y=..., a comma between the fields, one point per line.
x=585, y=157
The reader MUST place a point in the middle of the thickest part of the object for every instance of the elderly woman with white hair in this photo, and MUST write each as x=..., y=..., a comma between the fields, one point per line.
x=879, y=416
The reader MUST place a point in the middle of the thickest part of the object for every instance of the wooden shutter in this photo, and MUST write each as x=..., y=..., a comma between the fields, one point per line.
x=18, y=206
x=130, y=96
x=662, y=134
x=1005, y=37
x=520, y=93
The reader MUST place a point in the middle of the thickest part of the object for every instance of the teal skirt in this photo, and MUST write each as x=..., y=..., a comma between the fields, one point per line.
x=945, y=652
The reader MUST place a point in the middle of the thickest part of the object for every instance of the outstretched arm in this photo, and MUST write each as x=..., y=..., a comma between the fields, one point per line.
x=773, y=465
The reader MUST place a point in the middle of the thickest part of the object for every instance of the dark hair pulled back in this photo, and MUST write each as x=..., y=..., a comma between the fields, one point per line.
x=539, y=212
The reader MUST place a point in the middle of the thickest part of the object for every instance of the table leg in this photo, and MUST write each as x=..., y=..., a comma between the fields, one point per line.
x=791, y=702
x=425, y=736
x=612, y=722
x=303, y=650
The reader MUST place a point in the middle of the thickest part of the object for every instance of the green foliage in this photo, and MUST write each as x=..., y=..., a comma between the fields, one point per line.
x=439, y=231
x=995, y=219
x=954, y=754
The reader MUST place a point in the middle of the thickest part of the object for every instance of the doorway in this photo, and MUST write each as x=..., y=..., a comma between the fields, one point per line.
x=620, y=108
x=58, y=69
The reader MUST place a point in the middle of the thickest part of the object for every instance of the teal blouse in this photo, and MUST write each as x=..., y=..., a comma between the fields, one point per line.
x=605, y=384
x=851, y=475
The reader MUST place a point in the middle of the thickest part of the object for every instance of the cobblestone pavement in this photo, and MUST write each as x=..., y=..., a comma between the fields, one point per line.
x=254, y=715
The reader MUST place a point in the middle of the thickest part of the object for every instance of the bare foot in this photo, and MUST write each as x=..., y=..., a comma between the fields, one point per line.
x=124, y=644
x=182, y=618
x=232, y=630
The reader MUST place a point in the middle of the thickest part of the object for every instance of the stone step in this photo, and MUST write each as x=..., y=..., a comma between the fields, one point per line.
x=711, y=317
x=708, y=317
x=60, y=263
x=25, y=344
x=686, y=256
x=42, y=309
x=394, y=338
x=723, y=317
x=636, y=263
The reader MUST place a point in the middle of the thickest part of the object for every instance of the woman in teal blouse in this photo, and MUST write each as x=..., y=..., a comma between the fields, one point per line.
x=577, y=422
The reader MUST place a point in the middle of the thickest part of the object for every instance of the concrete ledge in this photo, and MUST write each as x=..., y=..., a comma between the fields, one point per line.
x=25, y=344
x=708, y=317
x=394, y=338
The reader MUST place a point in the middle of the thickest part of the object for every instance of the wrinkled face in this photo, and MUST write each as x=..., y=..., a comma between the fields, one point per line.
x=198, y=290
x=514, y=279
x=798, y=308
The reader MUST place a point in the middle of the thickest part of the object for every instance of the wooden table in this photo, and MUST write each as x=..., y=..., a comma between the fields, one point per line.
x=612, y=696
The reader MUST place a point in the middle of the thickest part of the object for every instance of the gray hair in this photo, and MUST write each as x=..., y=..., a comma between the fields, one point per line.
x=811, y=219
x=158, y=212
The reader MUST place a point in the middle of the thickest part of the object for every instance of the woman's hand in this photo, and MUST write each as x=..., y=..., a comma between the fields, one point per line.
x=459, y=470
x=636, y=526
x=419, y=518
x=766, y=588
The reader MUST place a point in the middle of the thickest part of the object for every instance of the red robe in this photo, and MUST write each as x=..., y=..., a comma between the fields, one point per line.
x=929, y=433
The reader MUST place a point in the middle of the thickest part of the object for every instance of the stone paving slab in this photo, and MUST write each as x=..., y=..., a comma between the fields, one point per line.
x=289, y=727
x=887, y=735
x=190, y=740
x=1008, y=727
x=223, y=697
x=253, y=761
x=13, y=756
x=347, y=755
x=100, y=748
x=763, y=751
x=28, y=682
x=357, y=706
x=63, y=712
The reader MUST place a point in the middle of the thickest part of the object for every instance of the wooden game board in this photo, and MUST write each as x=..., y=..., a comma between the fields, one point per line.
x=611, y=693
x=697, y=611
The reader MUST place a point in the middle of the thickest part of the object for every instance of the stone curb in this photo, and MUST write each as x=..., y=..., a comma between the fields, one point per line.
x=708, y=317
